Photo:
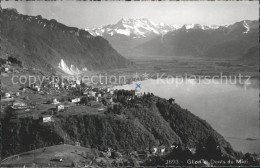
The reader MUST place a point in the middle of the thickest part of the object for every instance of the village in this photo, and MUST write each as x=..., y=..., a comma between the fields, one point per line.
x=52, y=99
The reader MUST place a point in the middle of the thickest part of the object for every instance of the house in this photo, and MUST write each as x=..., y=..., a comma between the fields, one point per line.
x=93, y=93
x=17, y=94
x=77, y=143
x=19, y=105
x=6, y=69
x=76, y=100
x=56, y=86
x=99, y=95
x=46, y=119
x=109, y=152
x=36, y=86
x=161, y=149
x=38, y=89
x=60, y=107
x=7, y=95
x=138, y=93
x=55, y=101
x=78, y=82
x=101, y=109
x=154, y=150
x=73, y=86
x=174, y=146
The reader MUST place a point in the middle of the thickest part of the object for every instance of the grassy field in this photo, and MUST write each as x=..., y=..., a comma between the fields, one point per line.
x=48, y=157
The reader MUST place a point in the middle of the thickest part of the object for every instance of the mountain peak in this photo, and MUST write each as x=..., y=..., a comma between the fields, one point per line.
x=197, y=27
x=134, y=27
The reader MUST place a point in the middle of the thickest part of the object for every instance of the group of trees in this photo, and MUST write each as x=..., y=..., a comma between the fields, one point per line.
x=14, y=61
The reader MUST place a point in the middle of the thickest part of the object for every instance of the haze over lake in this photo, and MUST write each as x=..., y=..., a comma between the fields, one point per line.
x=231, y=109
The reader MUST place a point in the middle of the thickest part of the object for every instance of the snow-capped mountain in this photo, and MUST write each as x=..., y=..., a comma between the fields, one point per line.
x=129, y=33
x=238, y=40
x=134, y=28
x=198, y=26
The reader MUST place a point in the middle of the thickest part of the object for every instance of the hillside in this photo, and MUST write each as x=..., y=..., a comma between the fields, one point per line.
x=46, y=44
x=137, y=124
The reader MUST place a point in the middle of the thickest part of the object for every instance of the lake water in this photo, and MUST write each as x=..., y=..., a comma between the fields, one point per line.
x=231, y=109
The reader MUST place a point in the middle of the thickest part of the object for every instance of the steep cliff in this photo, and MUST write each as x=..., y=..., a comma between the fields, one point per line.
x=42, y=43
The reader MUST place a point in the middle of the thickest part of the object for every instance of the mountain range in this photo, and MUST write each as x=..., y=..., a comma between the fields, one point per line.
x=128, y=33
x=49, y=45
x=143, y=37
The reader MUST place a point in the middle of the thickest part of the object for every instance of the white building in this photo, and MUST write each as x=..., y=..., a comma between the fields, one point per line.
x=76, y=100
x=47, y=119
x=138, y=93
x=73, y=86
x=55, y=101
x=7, y=95
x=19, y=105
x=154, y=150
x=60, y=107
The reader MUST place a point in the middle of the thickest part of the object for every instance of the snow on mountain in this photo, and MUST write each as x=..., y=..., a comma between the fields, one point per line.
x=143, y=27
x=246, y=26
x=135, y=28
x=72, y=70
x=198, y=26
x=138, y=28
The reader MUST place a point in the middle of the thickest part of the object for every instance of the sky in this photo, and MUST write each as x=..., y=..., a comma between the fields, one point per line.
x=94, y=14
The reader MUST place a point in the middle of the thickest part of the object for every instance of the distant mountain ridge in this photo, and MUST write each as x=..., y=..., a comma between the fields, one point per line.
x=231, y=42
x=42, y=43
x=236, y=40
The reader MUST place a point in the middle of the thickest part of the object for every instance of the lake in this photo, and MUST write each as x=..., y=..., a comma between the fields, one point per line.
x=232, y=109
